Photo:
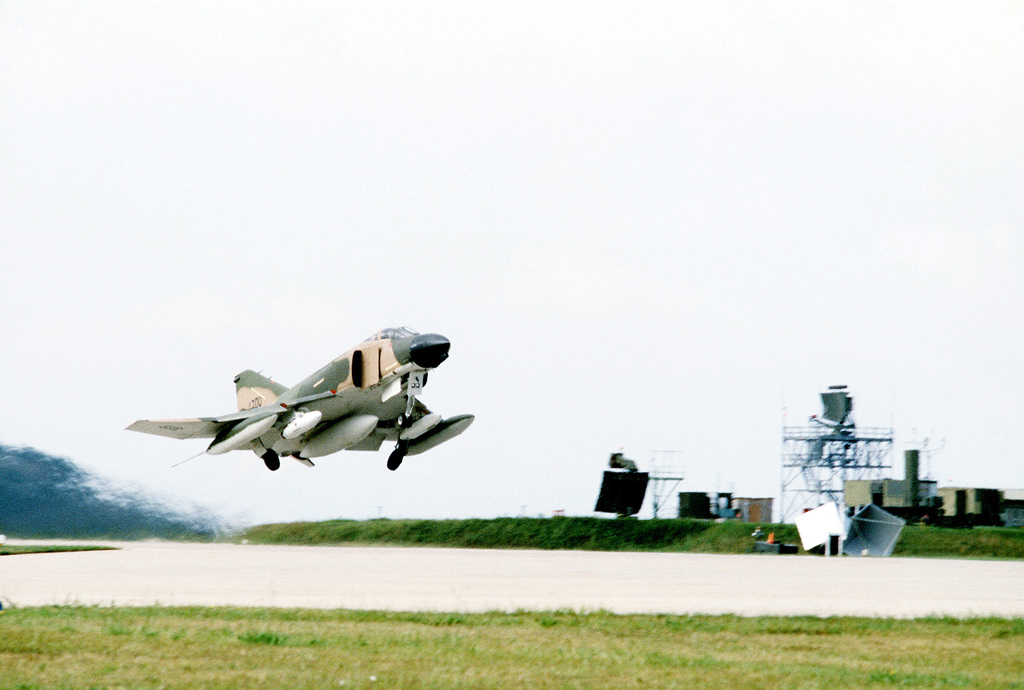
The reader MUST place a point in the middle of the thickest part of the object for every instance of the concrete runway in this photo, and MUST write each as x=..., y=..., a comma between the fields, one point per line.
x=465, y=580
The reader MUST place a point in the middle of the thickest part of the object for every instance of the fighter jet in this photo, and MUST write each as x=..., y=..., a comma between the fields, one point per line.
x=356, y=402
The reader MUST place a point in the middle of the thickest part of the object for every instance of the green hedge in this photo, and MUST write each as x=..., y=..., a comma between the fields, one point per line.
x=594, y=534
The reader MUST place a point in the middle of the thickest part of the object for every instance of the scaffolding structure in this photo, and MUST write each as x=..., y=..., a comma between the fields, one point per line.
x=666, y=473
x=818, y=458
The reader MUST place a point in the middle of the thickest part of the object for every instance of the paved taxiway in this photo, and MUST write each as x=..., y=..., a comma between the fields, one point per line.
x=436, y=579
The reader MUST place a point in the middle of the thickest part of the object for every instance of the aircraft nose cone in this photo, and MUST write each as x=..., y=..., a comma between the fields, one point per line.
x=429, y=350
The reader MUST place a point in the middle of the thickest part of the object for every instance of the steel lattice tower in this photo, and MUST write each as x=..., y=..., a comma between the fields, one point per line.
x=817, y=459
x=666, y=473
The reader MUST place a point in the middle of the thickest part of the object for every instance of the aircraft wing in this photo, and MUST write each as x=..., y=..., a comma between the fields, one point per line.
x=205, y=427
x=198, y=427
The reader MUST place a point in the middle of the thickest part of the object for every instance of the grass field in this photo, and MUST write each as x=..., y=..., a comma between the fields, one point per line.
x=224, y=648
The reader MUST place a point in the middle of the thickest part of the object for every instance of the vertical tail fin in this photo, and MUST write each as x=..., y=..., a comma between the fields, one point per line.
x=255, y=390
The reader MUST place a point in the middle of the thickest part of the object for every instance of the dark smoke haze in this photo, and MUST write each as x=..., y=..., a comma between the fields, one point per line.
x=46, y=496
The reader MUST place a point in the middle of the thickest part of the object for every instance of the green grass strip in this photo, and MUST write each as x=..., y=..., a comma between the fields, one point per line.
x=232, y=647
x=8, y=550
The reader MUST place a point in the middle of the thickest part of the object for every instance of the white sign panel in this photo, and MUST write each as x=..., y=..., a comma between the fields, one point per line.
x=816, y=526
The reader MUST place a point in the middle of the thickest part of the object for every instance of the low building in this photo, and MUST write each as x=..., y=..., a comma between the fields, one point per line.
x=910, y=498
x=916, y=499
x=694, y=504
x=890, y=493
x=971, y=505
x=1013, y=508
x=753, y=509
x=722, y=506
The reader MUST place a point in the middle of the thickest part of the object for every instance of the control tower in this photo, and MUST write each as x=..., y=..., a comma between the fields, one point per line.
x=818, y=458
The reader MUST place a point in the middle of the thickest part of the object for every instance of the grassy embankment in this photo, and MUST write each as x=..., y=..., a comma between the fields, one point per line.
x=8, y=550
x=190, y=647
x=694, y=536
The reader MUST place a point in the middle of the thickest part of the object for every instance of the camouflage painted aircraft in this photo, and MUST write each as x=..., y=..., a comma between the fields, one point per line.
x=358, y=401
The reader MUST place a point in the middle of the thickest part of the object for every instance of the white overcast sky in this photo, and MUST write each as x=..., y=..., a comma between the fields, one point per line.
x=644, y=226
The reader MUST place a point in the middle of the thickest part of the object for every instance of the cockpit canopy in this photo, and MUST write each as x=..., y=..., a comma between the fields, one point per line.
x=393, y=334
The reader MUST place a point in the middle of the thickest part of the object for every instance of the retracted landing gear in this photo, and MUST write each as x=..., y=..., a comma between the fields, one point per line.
x=397, y=455
x=271, y=460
